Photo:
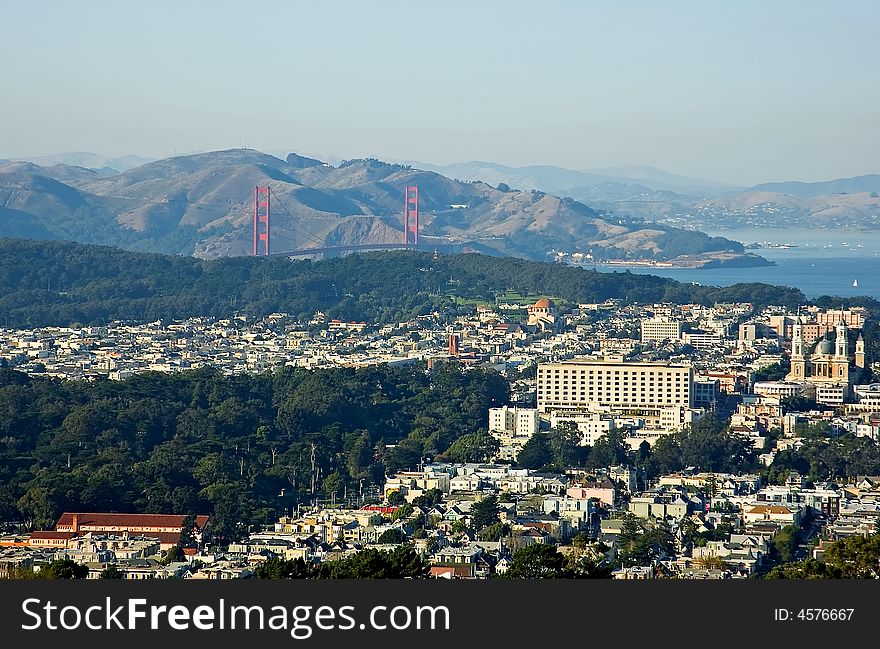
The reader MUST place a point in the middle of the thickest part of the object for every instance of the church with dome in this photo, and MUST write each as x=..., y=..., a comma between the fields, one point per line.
x=827, y=363
x=542, y=315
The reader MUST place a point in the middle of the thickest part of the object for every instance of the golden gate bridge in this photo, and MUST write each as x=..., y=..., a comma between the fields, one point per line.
x=288, y=236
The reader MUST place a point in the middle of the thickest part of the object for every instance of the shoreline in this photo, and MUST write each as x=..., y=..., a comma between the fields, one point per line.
x=668, y=265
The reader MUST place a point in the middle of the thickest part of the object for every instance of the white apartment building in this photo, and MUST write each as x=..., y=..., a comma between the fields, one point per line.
x=778, y=389
x=512, y=427
x=660, y=329
x=517, y=422
x=867, y=396
x=591, y=386
x=591, y=426
x=834, y=395
x=702, y=339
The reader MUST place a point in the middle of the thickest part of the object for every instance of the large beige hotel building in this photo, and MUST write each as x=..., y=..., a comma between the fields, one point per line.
x=597, y=386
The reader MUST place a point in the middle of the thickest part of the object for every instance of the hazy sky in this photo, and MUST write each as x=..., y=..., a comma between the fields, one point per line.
x=737, y=91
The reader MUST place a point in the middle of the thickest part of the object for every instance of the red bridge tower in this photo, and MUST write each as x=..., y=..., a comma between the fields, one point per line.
x=411, y=216
x=261, y=220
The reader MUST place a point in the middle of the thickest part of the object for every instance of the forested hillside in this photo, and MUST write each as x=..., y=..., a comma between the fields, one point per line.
x=46, y=283
x=228, y=446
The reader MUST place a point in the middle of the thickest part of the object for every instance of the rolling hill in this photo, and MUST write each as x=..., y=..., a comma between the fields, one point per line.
x=651, y=194
x=202, y=204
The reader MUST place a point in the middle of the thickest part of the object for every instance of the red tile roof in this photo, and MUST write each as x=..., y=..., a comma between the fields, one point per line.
x=49, y=534
x=131, y=521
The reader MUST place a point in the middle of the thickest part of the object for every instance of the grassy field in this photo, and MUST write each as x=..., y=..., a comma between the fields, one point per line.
x=510, y=297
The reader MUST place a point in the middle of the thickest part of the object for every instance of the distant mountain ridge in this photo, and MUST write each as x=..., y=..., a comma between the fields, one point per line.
x=551, y=178
x=655, y=195
x=96, y=161
x=202, y=204
x=855, y=185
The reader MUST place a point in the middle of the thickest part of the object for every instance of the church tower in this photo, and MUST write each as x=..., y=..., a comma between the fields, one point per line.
x=798, y=358
x=860, y=351
x=840, y=364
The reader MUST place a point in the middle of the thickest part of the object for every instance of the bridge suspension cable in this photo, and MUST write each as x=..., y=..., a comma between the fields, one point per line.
x=289, y=235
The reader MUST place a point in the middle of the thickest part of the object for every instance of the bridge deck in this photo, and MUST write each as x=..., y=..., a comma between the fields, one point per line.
x=301, y=252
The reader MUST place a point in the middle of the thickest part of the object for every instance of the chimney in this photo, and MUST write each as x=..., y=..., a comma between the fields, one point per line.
x=75, y=524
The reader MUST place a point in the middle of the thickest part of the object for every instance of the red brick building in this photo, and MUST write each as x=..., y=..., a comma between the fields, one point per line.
x=166, y=527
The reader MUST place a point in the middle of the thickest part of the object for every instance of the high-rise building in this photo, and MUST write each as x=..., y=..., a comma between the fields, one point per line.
x=595, y=386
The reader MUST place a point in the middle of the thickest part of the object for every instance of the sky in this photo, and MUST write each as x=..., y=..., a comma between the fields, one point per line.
x=740, y=92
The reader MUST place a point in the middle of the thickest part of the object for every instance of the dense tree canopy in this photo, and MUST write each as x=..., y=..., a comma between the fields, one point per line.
x=536, y=453
x=240, y=448
x=825, y=458
x=705, y=445
x=400, y=563
x=485, y=512
x=473, y=447
x=57, y=569
x=545, y=561
x=57, y=283
x=855, y=557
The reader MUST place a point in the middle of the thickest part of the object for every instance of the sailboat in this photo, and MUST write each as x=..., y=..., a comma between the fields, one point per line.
x=856, y=283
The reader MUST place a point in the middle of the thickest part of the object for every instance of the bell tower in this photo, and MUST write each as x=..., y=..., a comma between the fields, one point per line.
x=798, y=358
x=841, y=344
x=840, y=364
x=860, y=351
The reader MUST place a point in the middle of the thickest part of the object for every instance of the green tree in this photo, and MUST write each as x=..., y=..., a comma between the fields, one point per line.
x=485, y=512
x=37, y=507
x=403, y=511
x=857, y=557
x=630, y=530
x=428, y=499
x=785, y=543
x=188, y=532
x=400, y=563
x=277, y=568
x=666, y=455
x=655, y=541
x=473, y=447
x=609, y=450
x=535, y=453
x=112, y=572
x=174, y=554
x=589, y=567
x=807, y=569
x=565, y=445
x=537, y=561
x=494, y=532
x=63, y=569
x=798, y=403
x=393, y=535
x=333, y=484
x=395, y=498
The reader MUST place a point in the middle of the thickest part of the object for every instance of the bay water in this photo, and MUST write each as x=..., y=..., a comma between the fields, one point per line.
x=820, y=262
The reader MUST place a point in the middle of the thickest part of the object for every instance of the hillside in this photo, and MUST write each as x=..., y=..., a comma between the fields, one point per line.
x=202, y=204
x=107, y=165
x=45, y=283
x=634, y=193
